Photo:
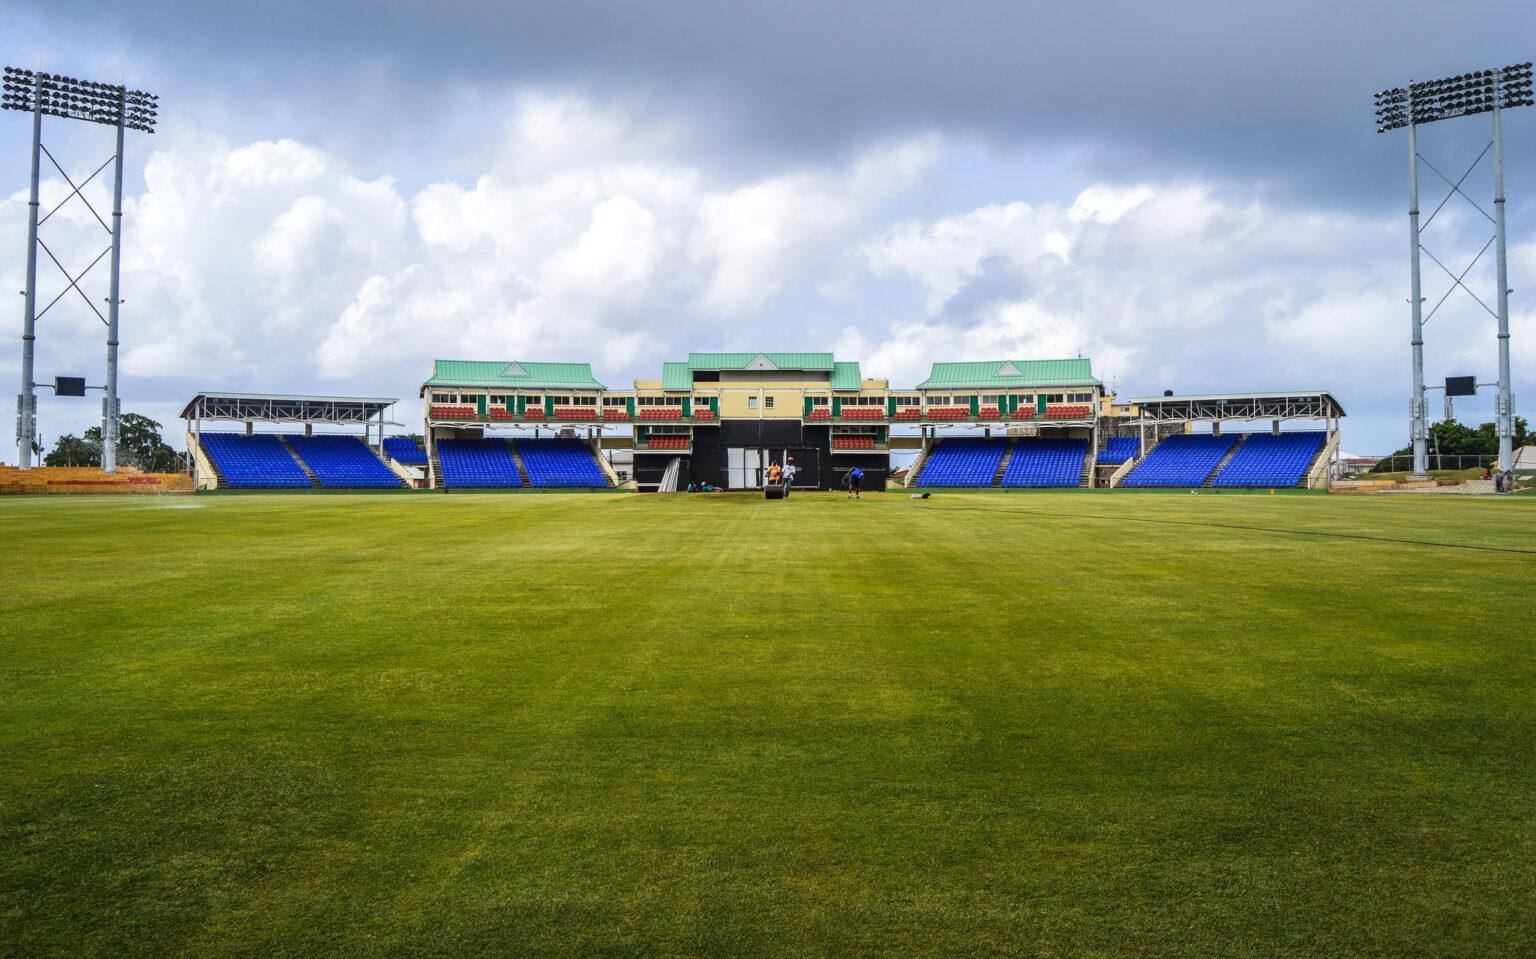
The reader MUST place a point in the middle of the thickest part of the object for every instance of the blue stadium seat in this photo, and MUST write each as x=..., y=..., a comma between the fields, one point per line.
x=560, y=463
x=1118, y=450
x=966, y=462
x=405, y=451
x=343, y=462
x=477, y=464
x=259, y=461
x=1271, y=460
x=1184, y=459
x=1045, y=462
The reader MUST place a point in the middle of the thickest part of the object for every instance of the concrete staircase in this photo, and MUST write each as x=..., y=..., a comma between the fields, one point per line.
x=1002, y=464
x=522, y=471
x=1090, y=460
x=313, y=479
x=1224, y=461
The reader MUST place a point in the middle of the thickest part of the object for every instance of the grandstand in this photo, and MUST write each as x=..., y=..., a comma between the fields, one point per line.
x=1219, y=459
x=252, y=460
x=724, y=418
x=469, y=403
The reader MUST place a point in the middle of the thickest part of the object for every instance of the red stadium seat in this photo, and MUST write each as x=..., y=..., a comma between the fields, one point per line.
x=819, y=413
x=616, y=414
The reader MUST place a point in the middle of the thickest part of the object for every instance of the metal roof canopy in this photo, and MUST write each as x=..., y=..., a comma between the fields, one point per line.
x=1279, y=405
x=1024, y=374
x=512, y=375
x=288, y=408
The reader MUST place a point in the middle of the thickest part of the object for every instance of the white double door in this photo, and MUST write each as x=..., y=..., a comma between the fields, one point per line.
x=743, y=468
x=748, y=468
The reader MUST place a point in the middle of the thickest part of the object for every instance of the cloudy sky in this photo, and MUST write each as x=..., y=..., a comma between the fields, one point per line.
x=1191, y=194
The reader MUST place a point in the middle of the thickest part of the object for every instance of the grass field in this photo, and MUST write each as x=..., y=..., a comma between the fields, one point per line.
x=620, y=725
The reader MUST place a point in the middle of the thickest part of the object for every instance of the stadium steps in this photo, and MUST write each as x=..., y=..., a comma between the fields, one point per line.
x=1224, y=461
x=522, y=471
x=1322, y=451
x=1002, y=466
x=207, y=458
x=313, y=479
x=1090, y=459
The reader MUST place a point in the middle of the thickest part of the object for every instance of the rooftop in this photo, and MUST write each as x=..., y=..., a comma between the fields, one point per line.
x=1006, y=373
x=513, y=374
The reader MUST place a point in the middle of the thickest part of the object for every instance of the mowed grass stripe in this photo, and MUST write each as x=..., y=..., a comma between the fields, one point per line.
x=714, y=725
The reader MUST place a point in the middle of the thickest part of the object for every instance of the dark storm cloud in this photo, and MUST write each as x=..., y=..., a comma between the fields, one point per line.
x=1277, y=94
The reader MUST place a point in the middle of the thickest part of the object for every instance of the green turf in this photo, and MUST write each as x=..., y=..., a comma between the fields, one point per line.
x=714, y=725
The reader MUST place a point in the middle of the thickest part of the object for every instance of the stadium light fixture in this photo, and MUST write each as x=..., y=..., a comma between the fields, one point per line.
x=1489, y=91
x=70, y=98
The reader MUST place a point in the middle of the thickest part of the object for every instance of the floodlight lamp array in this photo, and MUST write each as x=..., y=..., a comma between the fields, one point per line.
x=56, y=95
x=1458, y=96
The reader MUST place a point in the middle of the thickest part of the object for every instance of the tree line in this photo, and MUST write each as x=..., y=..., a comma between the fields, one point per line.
x=139, y=444
x=1454, y=438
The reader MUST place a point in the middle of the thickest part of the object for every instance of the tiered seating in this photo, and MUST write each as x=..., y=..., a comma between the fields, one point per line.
x=442, y=411
x=949, y=413
x=1023, y=413
x=560, y=462
x=908, y=414
x=1119, y=449
x=343, y=462
x=533, y=413
x=667, y=443
x=854, y=443
x=863, y=413
x=503, y=415
x=579, y=413
x=704, y=415
x=990, y=413
x=477, y=463
x=616, y=414
x=963, y=462
x=819, y=414
x=1271, y=460
x=1075, y=412
x=653, y=413
x=1184, y=459
x=405, y=451
x=1045, y=462
x=260, y=461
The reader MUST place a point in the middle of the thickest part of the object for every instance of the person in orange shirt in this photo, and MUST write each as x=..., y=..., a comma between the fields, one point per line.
x=774, y=472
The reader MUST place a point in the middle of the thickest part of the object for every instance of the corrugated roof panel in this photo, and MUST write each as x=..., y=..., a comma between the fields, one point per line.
x=501, y=373
x=845, y=376
x=1003, y=373
x=676, y=376
x=740, y=361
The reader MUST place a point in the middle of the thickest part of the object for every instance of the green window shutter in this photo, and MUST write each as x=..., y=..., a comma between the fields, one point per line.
x=714, y=405
x=549, y=406
x=837, y=406
x=1013, y=403
x=480, y=402
x=890, y=406
x=687, y=406
x=975, y=406
x=1039, y=404
x=522, y=404
x=629, y=404
x=807, y=407
x=511, y=403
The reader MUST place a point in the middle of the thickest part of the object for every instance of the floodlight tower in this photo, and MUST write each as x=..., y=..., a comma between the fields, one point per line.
x=50, y=94
x=1481, y=91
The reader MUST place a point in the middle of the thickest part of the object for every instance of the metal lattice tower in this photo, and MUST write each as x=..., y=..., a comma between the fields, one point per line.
x=1481, y=91
x=54, y=95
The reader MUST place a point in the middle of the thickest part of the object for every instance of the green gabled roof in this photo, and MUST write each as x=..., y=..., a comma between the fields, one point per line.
x=514, y=374
x=845, y=376
x=676, y=376
x=1025, y=373
x=741, y=361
